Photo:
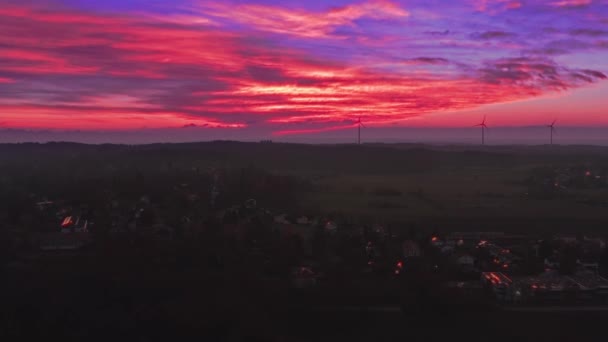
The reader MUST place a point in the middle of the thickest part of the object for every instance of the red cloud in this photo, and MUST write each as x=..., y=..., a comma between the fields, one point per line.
x=84, y=71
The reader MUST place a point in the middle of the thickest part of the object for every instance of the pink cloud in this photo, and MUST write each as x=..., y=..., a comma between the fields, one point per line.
x=495, y=6
x=571, y=3
x=303, y=23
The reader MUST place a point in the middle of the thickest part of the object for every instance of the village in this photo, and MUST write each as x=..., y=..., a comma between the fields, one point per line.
x=333, y=260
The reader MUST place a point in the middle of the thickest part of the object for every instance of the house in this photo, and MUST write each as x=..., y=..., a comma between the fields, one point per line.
x=447, y=250
x=303, y=277
x=551, y=263
x=303, y=220
x=568, y=239
x=411, y=249
x=331, y=226
x=71, y=224
x=44, y=205
x=281, y=219
x=162, y=232
x=57, y=241
x=465, y=260
x=305, y=232
x=500, y=285
x=251, y=204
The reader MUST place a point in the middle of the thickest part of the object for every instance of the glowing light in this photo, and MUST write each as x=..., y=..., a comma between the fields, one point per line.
x=68, y=221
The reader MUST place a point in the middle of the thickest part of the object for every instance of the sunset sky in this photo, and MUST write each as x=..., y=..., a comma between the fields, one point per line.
x=272, y=68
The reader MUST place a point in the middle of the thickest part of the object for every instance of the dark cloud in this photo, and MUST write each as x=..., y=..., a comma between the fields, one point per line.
x=428, y=60
x=594, y=74
x=589, y=32
x=536, y=73
x=549, y=51
x=265, y=74
x=89, y=54
x=439, y=33
x=488, y=35
x=561, y=47
x=550, y=30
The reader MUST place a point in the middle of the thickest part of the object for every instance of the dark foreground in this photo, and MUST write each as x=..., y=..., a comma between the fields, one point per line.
x=199, y=241
x=98, y=300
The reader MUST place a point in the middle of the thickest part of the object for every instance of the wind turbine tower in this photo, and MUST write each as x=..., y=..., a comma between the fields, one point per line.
x=359, y=125
x=483, y=130
x=552, y=130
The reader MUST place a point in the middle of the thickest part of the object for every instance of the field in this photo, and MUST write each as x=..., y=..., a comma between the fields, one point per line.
x=435, y=187
x=488, y=195
x=459, y=190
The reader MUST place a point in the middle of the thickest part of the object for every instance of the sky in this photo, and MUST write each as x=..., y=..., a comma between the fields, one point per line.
x=299, y=70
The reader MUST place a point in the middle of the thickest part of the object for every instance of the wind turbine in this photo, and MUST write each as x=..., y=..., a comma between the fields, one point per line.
x=359, y=125
x=483, y=130
x=552, y=129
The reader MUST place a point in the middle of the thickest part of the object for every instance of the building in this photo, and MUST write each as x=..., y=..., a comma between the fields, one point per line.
x=411, y=249
x=584, y=287
x=331, y=226
x=500, y=284
x=60, y=241
x=303, y=277
x=71, y=224
x=465, y=260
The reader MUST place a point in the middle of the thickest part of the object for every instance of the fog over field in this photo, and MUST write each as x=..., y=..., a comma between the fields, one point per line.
x=532, y=135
